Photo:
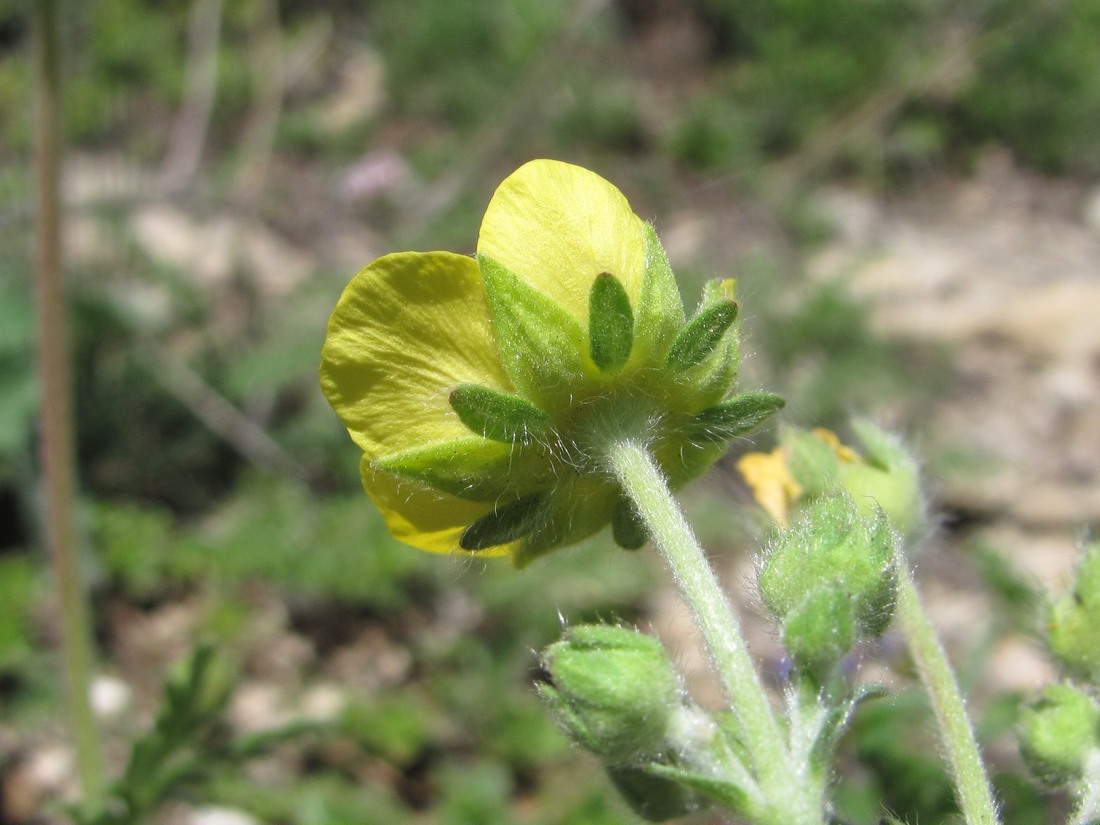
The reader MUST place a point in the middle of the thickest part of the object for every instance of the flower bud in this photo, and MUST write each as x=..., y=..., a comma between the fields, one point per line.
x=613, y=691
x=1071, y=629
x=886, y=478
x=829, y=578
x=1058, y=731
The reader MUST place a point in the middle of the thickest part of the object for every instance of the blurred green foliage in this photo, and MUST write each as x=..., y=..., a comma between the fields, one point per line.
x=1038, y=86
x=456, y=61
x=790, y=74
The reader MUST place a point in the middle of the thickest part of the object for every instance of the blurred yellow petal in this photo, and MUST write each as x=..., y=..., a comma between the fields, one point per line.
x=407, y=330
x=845, y=454
x=558, y=226
x=421, y=516
x=772, y=484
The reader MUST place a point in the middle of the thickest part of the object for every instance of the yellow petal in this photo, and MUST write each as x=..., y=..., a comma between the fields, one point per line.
x=846, y=455
x=407, y=330
x=772, y=484
x=558, y=226
x=422, y=517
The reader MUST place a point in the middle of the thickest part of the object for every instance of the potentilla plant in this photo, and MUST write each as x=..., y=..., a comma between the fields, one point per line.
x=520, y=400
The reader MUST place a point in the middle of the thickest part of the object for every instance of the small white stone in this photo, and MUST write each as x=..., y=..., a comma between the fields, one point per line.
x=220, y=816
x=323, y=703
x=1091, y=211
x=258, y=706
x=109, y=696
x=51, y=766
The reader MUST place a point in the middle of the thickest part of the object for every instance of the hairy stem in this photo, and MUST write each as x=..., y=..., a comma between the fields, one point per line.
x=1088, y=793
x=792, y=795
x=971, y=783
x=56, y=425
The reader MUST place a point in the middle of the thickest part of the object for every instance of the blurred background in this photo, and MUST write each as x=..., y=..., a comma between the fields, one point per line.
x=906, y=191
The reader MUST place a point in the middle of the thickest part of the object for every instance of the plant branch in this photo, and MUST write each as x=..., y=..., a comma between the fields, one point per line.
x=188, y=136
x=56, y=415
x=792, y=795
x=971, y=783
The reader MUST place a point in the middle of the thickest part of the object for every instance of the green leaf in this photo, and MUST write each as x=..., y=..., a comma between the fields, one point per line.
x=499, y=416
x=702, y=335
x=734, y=417
x=506, y=524
x=610, y=323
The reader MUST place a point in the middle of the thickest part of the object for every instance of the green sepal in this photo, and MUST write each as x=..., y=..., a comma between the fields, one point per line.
x=610, y=323
x=890, y=479
x=654, y=798
x=468, y=468
x=684, y=459
x=627, y=527
x=837, y=718
x=734, y=417
x=499, y=416
x=659, y=314
x=726, y=793
x=701, y=336
x=574, y=508
x=542, y=348
x=875, y=611
x=812, y=462
x=832, y=545
x=711, y=380
x=504, y=525
x=820, y=630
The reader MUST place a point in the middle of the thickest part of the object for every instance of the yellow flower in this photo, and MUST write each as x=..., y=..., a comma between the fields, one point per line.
x=772, y=484
x=808, y=464
x=482, y=391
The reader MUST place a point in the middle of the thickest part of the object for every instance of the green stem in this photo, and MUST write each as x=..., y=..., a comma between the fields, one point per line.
x=792, y=795
x=56, y=425
x=971, y=783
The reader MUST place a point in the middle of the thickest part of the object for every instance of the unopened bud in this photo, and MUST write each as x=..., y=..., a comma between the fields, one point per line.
x=829, y=578
x=1071, y=630
x=613, y=690
x=1058, y=731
